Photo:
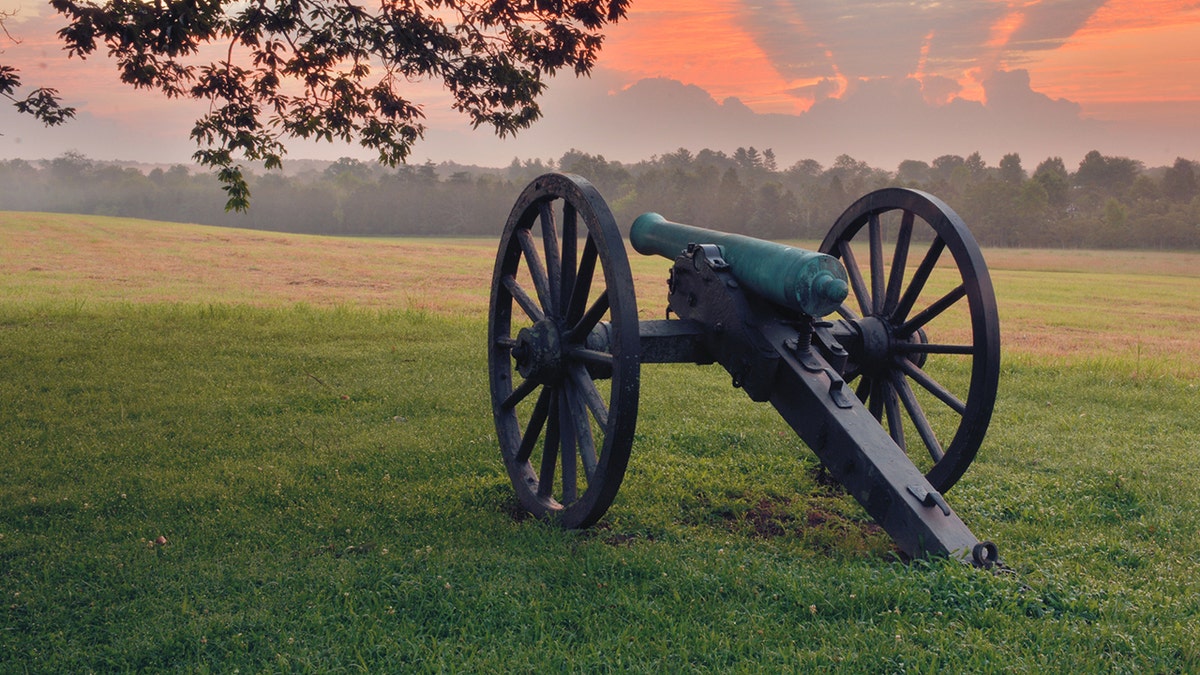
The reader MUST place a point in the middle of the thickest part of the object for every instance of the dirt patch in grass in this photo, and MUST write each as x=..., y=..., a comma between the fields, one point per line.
x=778, y=517
x=820, y=527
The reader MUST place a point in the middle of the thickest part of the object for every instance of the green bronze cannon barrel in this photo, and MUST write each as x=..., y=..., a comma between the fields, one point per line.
x=813, y=283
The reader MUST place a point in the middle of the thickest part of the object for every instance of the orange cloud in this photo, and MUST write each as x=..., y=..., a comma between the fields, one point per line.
x=1090, y=52
x=698, y=43
x=1130, y=51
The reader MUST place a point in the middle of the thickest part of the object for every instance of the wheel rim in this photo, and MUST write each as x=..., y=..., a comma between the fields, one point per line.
x=935, y=390
x=565, y=411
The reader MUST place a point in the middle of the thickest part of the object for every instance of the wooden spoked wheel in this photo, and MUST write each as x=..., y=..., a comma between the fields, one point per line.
x=923, y=339
x=565, y=407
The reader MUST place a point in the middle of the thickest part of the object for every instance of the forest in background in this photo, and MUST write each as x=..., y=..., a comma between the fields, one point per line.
x=1104, y=202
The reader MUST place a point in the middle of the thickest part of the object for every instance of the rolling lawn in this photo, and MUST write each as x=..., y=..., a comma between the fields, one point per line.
x=233, y=451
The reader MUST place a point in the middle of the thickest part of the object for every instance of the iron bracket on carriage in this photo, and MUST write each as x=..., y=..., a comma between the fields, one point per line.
x=895, y=417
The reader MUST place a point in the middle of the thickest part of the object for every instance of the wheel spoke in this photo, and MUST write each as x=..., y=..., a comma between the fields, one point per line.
x=863, y=389
x=918, y=281
x=917, y=415
x=591, y=395
x=846, y=313
x=583, y=432
x=570, y=245
x=895, y=422
x=554, y=265
x=875, y=235
x=931, y=348
x=932, y=386
x=875, y=402
x=856, y=277
x=534, y=428
x=522, y=298
x=583, y=282
x=589, y=319
x=519, y=394
x=899, y=262
x=593, y=357
x=537, y=270
x=932, y=312
x=549, y=450
x=567, y=428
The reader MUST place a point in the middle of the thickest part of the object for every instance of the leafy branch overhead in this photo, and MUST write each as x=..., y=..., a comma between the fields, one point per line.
x=321, y=69
x=43, y=103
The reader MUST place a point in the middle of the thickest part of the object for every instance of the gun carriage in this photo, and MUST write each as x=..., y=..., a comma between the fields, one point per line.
x=841, y=347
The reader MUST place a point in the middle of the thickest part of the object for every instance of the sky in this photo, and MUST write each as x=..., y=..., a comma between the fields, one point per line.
x=879, y=80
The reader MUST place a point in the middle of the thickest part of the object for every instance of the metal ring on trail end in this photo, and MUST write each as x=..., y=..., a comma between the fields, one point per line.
x=565, y=412
x=985, y=555
x=923, y=339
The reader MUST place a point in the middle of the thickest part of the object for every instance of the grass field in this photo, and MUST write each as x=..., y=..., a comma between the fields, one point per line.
x=305, y=423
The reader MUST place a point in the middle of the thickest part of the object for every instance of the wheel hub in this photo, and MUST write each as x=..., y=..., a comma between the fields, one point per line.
x=876, y=344
x=879, y=345
x=539, y=352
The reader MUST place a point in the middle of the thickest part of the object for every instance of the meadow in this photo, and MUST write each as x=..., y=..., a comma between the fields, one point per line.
x=235, y=451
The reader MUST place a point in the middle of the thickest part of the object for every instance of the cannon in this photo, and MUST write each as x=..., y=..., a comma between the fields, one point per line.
x=842, y=349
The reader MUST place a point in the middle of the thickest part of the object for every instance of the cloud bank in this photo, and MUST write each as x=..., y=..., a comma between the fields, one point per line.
x=881, y=121
x=819, y=47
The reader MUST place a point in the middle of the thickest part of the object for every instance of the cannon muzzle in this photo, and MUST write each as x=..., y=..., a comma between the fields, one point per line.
x=813, y=283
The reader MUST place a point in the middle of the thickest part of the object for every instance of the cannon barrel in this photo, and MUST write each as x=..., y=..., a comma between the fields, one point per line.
x=811, y=282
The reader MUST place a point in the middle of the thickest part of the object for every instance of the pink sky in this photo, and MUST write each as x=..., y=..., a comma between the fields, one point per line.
x=1065, y=76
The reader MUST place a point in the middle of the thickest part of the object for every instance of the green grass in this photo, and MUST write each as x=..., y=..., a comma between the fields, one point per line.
x=332, y=500
x=306, y=422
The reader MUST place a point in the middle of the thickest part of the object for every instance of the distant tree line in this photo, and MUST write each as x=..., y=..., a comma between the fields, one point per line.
x=1105, y=202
